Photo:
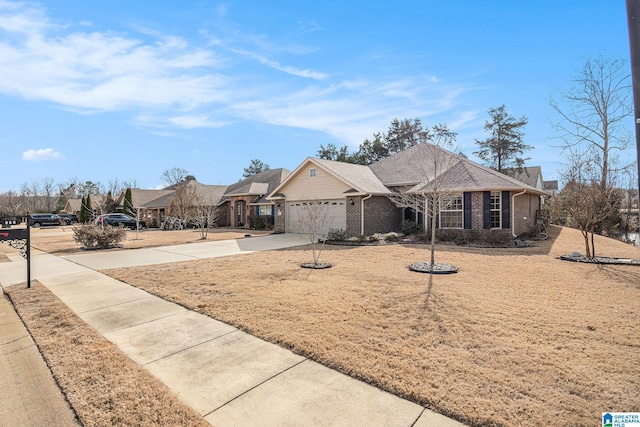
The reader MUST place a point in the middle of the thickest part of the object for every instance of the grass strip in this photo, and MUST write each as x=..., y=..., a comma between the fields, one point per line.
x=103, y=385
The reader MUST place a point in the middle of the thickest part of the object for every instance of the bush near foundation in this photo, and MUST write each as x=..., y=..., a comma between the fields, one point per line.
x=95, y=236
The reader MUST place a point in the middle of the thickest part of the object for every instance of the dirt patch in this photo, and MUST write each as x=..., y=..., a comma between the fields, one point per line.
x=103, y=385
x=516, y=337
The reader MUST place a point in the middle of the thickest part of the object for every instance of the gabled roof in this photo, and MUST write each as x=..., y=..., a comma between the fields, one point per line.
x=259, y=185
x=415, y=169
x=466, y=175
x=211, y=194
x=360, y=178
x=530, y=175
x=74, y=205
x=140, y=197
x=419, y=164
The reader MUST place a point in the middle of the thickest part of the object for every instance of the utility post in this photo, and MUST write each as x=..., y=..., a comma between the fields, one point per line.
x=633, y=22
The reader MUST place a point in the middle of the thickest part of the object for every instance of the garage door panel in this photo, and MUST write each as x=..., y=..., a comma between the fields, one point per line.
x=331, y=214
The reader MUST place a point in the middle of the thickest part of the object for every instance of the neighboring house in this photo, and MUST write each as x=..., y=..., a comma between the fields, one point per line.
x=155, y=205
x=141, y=199
x=530, y=175
x=551, y=187
x=363, y=200
x=73, y=206
x=245, y=203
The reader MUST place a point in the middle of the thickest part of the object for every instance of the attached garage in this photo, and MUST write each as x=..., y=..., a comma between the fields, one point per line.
x=329, y=214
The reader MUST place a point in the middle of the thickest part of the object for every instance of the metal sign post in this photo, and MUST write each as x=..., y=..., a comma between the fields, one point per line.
x=20, y=239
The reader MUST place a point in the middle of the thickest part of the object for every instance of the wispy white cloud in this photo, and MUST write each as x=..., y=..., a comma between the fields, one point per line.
x=169, y=84
x=41, y=154
x=101, y=71
x=285, y=69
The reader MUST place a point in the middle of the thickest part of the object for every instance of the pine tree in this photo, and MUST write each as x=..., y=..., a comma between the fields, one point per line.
x=502, y=150
x=89, y=208
x=127, y=205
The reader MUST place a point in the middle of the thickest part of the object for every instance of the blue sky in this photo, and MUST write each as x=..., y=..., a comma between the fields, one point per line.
x=122, y=90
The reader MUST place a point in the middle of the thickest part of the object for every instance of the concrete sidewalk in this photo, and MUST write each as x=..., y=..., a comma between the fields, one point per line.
x=228, y=376
x=30, y=396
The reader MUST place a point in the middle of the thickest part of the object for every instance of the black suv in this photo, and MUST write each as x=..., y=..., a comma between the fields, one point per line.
x=118, y=220
x=44, y=219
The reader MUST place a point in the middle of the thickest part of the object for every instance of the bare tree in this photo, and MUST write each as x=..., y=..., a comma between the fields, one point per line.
x=313, y=216
x=204, y=214
x=586, y=200
x=593, y=111
x=433, y=193
x=29, y=193
x=174, y=176
x=181, y=205
x=11, y=204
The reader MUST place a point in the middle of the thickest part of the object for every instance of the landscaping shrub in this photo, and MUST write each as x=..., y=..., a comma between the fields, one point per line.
x=411, y=228
x=94, y=236
x=461, y=240
x=392, y=237
x=337, y=234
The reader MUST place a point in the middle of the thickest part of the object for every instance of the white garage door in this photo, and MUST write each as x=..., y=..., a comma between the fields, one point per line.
x=319, y=214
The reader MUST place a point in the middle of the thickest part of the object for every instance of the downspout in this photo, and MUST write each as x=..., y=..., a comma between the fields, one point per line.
x=513, y=211
x=362, y=213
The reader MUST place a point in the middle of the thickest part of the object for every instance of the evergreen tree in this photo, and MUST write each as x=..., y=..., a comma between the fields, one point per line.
x=255, y=167
x=89, y=208
x=127, y=205
x=83, y=211
x=502, y=150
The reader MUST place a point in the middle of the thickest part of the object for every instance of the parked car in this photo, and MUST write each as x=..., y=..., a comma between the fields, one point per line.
x=44, y=220
x=69, y=218
x=120, y=219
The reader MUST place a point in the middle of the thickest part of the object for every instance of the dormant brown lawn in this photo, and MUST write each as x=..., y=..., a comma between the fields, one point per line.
x=517, y=337
x=103, y=386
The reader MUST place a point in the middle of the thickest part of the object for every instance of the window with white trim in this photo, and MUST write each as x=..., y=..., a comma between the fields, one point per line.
x=496, y=209
x=451, y=211
x=264, y=210
x=313, y=172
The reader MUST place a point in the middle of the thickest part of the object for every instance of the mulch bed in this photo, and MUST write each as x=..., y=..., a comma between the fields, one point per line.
x=600, y=260
x=438, y=268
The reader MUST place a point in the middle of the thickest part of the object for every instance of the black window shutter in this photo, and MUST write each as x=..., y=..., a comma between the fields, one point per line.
x=506, y=209
x=467, y=210
x=486, y=209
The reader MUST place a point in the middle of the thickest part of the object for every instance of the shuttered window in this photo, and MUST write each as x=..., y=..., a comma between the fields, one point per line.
x=496, y=209
x=451, y=211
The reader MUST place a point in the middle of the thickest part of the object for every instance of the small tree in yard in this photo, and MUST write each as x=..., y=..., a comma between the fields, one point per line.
x=587, y=202
x=204, y=215
x=313, y=216
x=182, y=204
x=432, y=193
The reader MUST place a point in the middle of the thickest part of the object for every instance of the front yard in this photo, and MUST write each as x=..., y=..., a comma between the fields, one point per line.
x=516, y=337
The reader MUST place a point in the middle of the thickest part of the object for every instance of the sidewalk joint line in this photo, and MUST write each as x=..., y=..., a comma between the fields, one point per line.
x=419, y=415
x=113, y=305
x=190, y=347
x=256, y=386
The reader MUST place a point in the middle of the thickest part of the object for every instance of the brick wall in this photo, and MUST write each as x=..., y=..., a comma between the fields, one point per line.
x=381, y=216
x=477, y=215
x=279, y=217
